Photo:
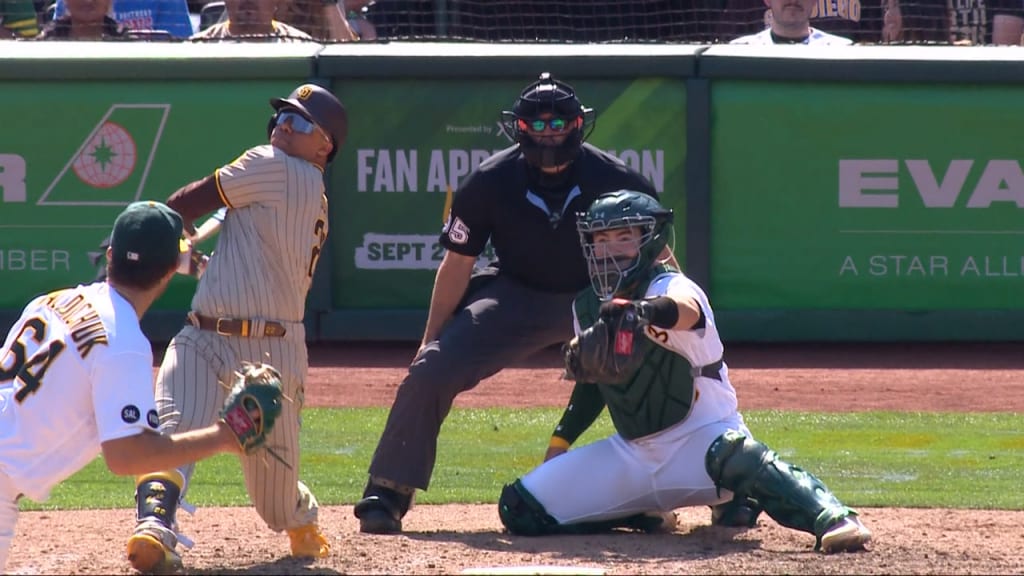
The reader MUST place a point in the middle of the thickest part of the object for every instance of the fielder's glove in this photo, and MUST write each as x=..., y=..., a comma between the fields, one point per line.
x=610, y=351
x=253, y=405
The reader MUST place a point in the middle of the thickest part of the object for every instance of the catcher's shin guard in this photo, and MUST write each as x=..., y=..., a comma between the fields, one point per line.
x=791, y=496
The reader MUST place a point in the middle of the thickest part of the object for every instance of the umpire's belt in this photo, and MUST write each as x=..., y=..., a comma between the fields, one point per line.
x=713, y=371
x=237, y=326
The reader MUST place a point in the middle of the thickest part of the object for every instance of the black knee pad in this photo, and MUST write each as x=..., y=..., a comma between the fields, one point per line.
x=521, y=513
x=156, y=496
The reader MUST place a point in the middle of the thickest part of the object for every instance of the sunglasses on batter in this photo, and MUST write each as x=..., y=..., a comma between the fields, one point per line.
x=299, y=122
x=538, y=125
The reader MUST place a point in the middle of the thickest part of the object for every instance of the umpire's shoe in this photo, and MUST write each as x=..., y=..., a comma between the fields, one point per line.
x=381, y=510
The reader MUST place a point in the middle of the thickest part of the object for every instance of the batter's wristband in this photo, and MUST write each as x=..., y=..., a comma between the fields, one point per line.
x=558, y=442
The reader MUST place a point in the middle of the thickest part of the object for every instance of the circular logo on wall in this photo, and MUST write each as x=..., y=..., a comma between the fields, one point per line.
x=108, y=158
x=152, y=419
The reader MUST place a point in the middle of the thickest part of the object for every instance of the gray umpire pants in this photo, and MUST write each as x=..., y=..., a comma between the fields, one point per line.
x=503, y=323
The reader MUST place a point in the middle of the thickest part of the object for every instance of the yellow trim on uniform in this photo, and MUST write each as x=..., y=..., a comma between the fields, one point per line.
x=220, y=189
x=245, y=328
x=172, y=476
x=558, y=442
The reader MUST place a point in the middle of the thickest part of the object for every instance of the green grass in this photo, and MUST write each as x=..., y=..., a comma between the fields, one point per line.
x=867, y=458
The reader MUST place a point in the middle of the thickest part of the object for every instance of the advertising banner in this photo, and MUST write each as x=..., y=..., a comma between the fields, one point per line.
x=852, y=196
x=73, y=155
x=412, y=141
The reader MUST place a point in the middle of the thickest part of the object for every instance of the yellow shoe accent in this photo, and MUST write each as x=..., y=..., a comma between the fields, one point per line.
x=148, y=555
x=308, y=542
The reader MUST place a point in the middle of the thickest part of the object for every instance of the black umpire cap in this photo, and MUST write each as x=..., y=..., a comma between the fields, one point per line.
x=318, y=105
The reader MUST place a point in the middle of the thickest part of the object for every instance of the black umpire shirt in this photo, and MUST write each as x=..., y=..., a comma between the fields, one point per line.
x=535, y=242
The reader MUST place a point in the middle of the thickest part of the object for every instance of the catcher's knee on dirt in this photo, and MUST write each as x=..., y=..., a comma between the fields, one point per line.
x=157, y=494
x=522, y=514
x=791, y=496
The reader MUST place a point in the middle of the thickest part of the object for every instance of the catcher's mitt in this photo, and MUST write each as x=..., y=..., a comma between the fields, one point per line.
x=253, y=405
x=610, y=351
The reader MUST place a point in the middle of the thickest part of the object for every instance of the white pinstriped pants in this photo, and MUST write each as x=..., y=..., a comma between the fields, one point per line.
x=188, y=396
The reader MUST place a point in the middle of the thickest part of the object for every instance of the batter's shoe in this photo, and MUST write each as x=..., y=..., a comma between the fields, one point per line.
x=308, y=542
x=151, y=549
x=377, y=515
x=846, y=535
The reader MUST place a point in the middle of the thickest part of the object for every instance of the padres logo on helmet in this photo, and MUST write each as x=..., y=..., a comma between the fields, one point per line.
x=318, y=105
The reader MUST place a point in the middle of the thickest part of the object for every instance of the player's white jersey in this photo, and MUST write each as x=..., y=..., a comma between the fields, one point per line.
x=270, y=242
x=700, y=347
x=816, y=38
x=75, y=371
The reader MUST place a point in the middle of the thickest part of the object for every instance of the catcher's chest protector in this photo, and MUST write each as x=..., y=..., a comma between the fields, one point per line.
x=660, y=393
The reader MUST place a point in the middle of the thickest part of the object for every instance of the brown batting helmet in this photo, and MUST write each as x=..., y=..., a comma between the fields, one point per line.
x=318, y=105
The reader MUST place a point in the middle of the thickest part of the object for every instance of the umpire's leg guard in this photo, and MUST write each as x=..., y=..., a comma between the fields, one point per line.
x=791, y=496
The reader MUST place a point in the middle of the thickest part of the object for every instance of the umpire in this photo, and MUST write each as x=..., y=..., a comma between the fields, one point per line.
x=523, y=200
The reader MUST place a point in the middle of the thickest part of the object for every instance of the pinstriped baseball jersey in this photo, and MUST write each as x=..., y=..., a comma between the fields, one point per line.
x=269, y=245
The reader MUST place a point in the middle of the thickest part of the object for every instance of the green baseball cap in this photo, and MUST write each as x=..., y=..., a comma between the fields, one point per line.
x=147, y=235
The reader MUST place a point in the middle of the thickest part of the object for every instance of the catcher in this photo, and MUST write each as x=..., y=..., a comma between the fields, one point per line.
x=648, y=349
x=76, y=379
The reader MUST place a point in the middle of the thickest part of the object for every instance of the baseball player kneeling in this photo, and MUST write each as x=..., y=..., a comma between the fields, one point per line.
x=647, y=348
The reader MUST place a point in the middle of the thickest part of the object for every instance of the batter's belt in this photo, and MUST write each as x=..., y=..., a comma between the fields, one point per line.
x=245, y=328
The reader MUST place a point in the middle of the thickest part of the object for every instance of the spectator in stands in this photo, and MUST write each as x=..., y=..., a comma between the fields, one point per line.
x=252, y=20
x=84, y=20
x=919, y=22
x=858, y=20
x=18, y=19
x=358, y=18
x=168, y=16
x=969, y=22
x=403, y=19
x=324, y=20
x=790, y=23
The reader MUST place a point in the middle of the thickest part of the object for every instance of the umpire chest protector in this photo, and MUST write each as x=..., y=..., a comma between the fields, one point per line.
x=661, y=392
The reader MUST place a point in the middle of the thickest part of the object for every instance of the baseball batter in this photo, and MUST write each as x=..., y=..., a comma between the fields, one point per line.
x=249, y=306
x=680, y=440
x=76, y=375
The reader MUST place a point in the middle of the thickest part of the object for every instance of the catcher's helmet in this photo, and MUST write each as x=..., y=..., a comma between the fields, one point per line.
x=548, y=96
x=611, y=273
x=317, y=105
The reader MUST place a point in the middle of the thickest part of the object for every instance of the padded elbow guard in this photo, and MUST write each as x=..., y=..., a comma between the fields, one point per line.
x=791, y=496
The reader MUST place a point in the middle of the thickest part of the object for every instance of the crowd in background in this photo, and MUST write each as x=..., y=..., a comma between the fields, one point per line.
x=961, y=22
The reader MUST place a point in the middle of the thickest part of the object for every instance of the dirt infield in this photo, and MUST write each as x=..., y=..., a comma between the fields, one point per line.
x=449, y=539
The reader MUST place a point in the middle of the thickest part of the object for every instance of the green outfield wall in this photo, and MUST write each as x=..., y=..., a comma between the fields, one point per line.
x=849, y=194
